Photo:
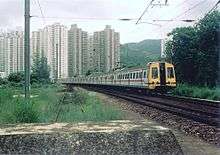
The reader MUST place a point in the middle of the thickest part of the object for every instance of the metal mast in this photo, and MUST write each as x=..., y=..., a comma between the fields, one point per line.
x=27, y=49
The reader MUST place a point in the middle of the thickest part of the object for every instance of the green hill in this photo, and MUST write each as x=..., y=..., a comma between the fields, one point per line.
x=138, y=54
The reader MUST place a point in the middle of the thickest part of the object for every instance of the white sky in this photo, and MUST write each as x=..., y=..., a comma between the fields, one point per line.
x=11, y=15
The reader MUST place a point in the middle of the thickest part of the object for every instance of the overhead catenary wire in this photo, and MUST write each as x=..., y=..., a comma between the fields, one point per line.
x=180, y=4
x=86, y=18
x=190, y=9
x=43, y=17
x=146, y=9
x=148, y=6
x=214, y=7
x=41, y=11
x=181, y=14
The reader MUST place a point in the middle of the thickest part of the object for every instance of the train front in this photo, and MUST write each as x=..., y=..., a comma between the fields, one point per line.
x=161, y=76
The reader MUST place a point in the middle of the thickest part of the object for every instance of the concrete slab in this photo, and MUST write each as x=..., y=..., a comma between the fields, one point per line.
x=114, y=137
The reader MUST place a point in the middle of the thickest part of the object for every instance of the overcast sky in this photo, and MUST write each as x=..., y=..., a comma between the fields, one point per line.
x=69, y=12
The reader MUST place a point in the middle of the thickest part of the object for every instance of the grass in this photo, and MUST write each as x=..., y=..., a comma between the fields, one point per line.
x=44, y=108
x=87, y=108
x=197, y=92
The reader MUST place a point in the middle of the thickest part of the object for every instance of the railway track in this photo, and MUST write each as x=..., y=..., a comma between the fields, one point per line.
x=197, y=110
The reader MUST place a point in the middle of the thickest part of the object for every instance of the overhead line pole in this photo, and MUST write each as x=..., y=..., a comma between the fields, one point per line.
x=27, y=49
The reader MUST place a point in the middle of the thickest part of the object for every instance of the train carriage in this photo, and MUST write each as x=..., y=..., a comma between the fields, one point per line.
x=155, y=76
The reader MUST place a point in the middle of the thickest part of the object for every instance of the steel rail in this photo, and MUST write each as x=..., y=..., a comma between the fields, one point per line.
x=196, y=115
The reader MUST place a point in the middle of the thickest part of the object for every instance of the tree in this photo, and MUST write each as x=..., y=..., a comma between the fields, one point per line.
x=193, y=51
x=181, y=50
x=207, y=29
x=16, y=77
x=40, y=70
x=2, y=81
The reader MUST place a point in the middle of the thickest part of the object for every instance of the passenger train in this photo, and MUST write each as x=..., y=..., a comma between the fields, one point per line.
x=155, y=76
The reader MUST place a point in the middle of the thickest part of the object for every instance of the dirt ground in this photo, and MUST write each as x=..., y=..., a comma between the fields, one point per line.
x=190, y=145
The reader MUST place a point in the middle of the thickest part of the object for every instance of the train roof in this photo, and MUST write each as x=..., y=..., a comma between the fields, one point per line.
x=131, y=69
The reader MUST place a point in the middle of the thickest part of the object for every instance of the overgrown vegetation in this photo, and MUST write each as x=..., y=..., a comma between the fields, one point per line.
x=194, y=51
x=45, y=107
x=87, y=107
x=197, y=92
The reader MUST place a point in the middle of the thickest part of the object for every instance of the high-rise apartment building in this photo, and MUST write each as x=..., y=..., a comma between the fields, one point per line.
x=11, y=52
x=91, y=50
x=69, y=53
x=106, y=50
x=51, y=42
x=85, y=52
x=35, y=45
x=78, y=53
x=2, y=55
x=99, y=54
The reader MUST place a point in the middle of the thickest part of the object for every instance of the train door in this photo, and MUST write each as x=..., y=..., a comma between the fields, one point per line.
x=170, y=75
x=145, y=81
x=162, y=74
x=153, y=75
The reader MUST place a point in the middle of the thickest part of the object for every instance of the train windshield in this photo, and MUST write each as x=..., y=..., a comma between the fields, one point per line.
x=154, y=72
x=170, y=72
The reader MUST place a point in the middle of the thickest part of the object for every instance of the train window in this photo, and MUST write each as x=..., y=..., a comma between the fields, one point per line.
x=140, y=74
x=137, y=75
x=130, y=76
x=170, y=72
x=144, y=74
x=154, y=72
x=133, y=75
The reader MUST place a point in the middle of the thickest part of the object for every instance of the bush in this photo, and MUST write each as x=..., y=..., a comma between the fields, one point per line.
x=16, y=77
x=25, y=113
x=3, y=81
x=197, y=92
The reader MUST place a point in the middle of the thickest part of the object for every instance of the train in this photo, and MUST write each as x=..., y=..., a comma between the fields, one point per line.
x=155, y=76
